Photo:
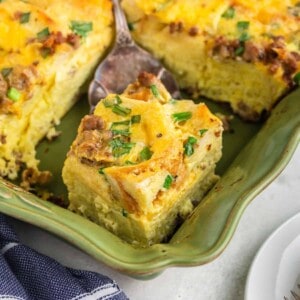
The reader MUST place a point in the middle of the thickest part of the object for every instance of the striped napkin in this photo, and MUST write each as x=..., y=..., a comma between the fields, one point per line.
x=27, y=274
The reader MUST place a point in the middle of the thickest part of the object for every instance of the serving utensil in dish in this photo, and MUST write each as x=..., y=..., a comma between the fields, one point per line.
x=253, y=155
x=124, y=63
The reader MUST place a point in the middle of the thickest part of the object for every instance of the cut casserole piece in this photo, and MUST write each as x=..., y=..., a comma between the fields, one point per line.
x=243, y=52
x=48, y=49
x=142, y=161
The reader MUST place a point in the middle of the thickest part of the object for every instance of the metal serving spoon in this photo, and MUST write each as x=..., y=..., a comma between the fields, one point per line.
x=124, y=63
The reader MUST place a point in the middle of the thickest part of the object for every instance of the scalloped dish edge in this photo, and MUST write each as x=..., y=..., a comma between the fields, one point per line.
x=242, y=181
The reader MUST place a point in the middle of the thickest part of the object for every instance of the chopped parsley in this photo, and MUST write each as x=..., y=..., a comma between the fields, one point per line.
x=244, y=36
x=120, y=147
x=189, y=146
x=114, y=103
x=121, y=110
x=24, y=18
x=229, y=13
x=45, y=52
x=81, y=28
x=121, y=128
x=173, y=101
x=182, y=116
x=6, y=71
x=13, y=94
x=145, y=154
x=100, y=170
x=124, y=132
x=202, y=131
x=43, y=34
x=124, y=212
x=129, y=163
x=239, y=51
x=125, y=123
x=135, y=119
x=109, y=102
x=243, y=25
x=154, y=90
x=296, y=78
x=168, y=182
x=130, y=26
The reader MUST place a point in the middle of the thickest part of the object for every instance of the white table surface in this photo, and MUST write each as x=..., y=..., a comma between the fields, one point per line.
x=222, y=279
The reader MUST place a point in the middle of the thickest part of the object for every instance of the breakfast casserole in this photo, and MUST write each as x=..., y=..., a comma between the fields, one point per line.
x=142, y=161
x=243, y=52
x=48, y=49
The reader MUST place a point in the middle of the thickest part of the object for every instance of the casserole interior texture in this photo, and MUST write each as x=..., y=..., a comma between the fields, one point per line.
x=243, y=52
x=48, y=49
x=142, y=161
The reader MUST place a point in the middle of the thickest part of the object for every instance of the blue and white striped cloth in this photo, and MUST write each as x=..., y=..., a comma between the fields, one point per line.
x=27, y=274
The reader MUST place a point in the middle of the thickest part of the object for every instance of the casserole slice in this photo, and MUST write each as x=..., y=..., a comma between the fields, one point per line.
x=243, y=52
x=48, y=49
x=142, y=161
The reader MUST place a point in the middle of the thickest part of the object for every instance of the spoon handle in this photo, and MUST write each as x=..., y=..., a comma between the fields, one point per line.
x=123, y=36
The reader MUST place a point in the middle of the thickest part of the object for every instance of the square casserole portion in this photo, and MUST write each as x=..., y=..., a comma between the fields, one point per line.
x=243, y=52
x=48, y=49
x=142, y=161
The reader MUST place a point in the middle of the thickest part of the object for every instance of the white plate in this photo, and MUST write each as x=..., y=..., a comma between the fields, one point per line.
x=275, y=270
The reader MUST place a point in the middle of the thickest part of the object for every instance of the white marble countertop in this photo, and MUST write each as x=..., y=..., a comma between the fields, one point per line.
x=222, y=279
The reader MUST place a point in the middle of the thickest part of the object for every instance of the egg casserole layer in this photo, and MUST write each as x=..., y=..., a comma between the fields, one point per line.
x=142, y=161
x=243, y=52
x=48, y=48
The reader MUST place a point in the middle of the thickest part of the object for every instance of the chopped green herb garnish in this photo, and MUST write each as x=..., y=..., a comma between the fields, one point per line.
x=182, y=116
x=24, y=18
x=124, y=132
x=239, y=51
x=173, y=101
x=189, y=146
x=121, y=110
x=242, y=25
x=202, y=131
x=128, y=162
x=123, y=124
x=135, y=119
x=13, y=94
x=145, y=154
x=6, y=71
x=120, y=147
x=43, y=34
x=116, y=108
x=296, y=78
x=124, y=212
x=130, y=26
x=100, y=170
x=244, y=37
x=81, y=28
x=109, y=102
x=154, y=90
x=229, y=13
x=168, y=182
x=121, y=128
x=45, y=52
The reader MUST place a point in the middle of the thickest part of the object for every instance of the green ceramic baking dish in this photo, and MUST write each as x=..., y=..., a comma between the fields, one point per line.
x=253, y=155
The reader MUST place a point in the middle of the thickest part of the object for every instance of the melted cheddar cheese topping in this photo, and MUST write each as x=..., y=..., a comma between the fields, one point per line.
x=142, y=160
x=242, y=52
x=48, y=49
